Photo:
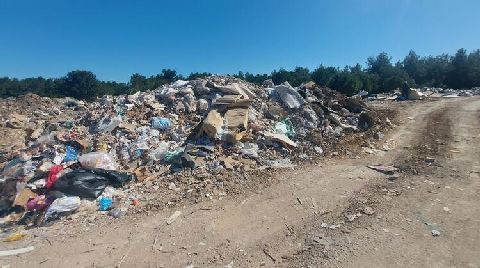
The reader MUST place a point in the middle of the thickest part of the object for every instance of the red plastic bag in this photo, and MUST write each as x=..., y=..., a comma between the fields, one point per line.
x=53, y=175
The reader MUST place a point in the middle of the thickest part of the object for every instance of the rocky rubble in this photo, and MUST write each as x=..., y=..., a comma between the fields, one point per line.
x=61, y=156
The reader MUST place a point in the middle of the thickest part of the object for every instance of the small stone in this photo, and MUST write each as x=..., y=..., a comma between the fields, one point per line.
x=378, y=135
x=318, y=149
x=446, y=209
x=351, y=218
x=117, y=212
x=429, y=160
x=368, y=211
x=393, y=177
x=435, y=233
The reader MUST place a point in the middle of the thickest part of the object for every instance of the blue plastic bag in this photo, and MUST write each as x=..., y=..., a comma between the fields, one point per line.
x=70, y=154
x=104, y=203
x=161, y=123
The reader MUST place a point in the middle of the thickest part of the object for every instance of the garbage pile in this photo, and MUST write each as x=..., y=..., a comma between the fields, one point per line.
x=75, y=156
x=428, y=92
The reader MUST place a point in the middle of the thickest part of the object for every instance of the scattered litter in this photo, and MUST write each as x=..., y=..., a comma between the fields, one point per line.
x=435, y=233
x=15, y=237
x=104, y=203
x=384, y=169
x=12, y=252
x=173, y=217
x=62, y=205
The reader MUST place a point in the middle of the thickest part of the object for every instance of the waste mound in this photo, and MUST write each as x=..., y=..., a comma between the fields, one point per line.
x=59, y=156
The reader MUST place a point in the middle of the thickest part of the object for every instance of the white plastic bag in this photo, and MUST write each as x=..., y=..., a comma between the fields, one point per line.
x=62, y=205
x=98, y=160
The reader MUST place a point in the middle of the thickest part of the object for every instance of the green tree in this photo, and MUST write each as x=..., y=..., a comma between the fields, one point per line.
x=137, y=83
x=169, y=75
x=458, y=77
x=322, y=75
x=80, y=85
x=474, y=68
x=415, y=67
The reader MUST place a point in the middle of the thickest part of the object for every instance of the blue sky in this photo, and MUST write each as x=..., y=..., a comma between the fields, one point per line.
x=115, y=38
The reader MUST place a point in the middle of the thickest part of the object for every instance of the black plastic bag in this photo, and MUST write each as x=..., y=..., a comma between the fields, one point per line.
x=82, y=183
x=90, y=183
x=115, y=178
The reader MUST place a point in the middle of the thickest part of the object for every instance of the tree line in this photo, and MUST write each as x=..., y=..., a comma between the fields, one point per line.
x=461, y=70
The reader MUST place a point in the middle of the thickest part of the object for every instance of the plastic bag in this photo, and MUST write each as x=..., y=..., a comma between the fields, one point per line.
x=70, y=154
x=98, y=160
x=250, y=149
x=285, y=127
x=161, y=123
x=104, y=203
x=91, y=183
x=15, y=237
x=53, y=175
x=83, y=183
x=108, y=124
x=160, y=152
x=115, y=178
x=169, y=156
x=62, y=205
x=40, y=202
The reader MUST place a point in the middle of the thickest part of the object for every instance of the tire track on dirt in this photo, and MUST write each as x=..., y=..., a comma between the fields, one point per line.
x=328, y=246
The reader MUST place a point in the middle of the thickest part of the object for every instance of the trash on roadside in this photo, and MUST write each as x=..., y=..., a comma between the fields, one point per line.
x=15, y=237
x=70, y=154
x=130, y=147
x=53, y=175
x=90, y=183
x=173, y=217
x=117, y=212
x=161, y=123
x=18, y=251
x=104, y=203
x=98, y=160
x=384, y=169
x=61, y=206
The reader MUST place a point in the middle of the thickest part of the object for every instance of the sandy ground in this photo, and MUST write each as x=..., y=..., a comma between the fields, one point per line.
x=315, y=216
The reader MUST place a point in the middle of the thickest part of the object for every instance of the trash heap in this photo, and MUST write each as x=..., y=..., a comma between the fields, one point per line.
x=427, y=92
x=75, y=156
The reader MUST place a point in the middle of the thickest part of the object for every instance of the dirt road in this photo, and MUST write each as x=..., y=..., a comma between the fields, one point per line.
x=315, y=215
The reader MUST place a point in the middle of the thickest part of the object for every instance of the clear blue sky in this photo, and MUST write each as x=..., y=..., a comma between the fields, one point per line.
x=115, y=38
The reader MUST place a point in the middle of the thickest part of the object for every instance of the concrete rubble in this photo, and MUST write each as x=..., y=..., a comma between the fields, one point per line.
x=67, y=156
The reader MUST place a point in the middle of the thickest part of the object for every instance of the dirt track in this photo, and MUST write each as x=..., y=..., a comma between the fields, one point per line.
x=281, y=225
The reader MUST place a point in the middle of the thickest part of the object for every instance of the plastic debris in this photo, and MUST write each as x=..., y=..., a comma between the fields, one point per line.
x=40, y=202
x=161, y=123
x=105, y=203
x=62, y=205
x=290, y=97
x=70, y=154
x=53, y=175
x=285, y=127
x=12, y=252
x=98, y=160
x=117, y=212
x=384, y=169
x=90, y=183
x=174, y=217
x=15, y=237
